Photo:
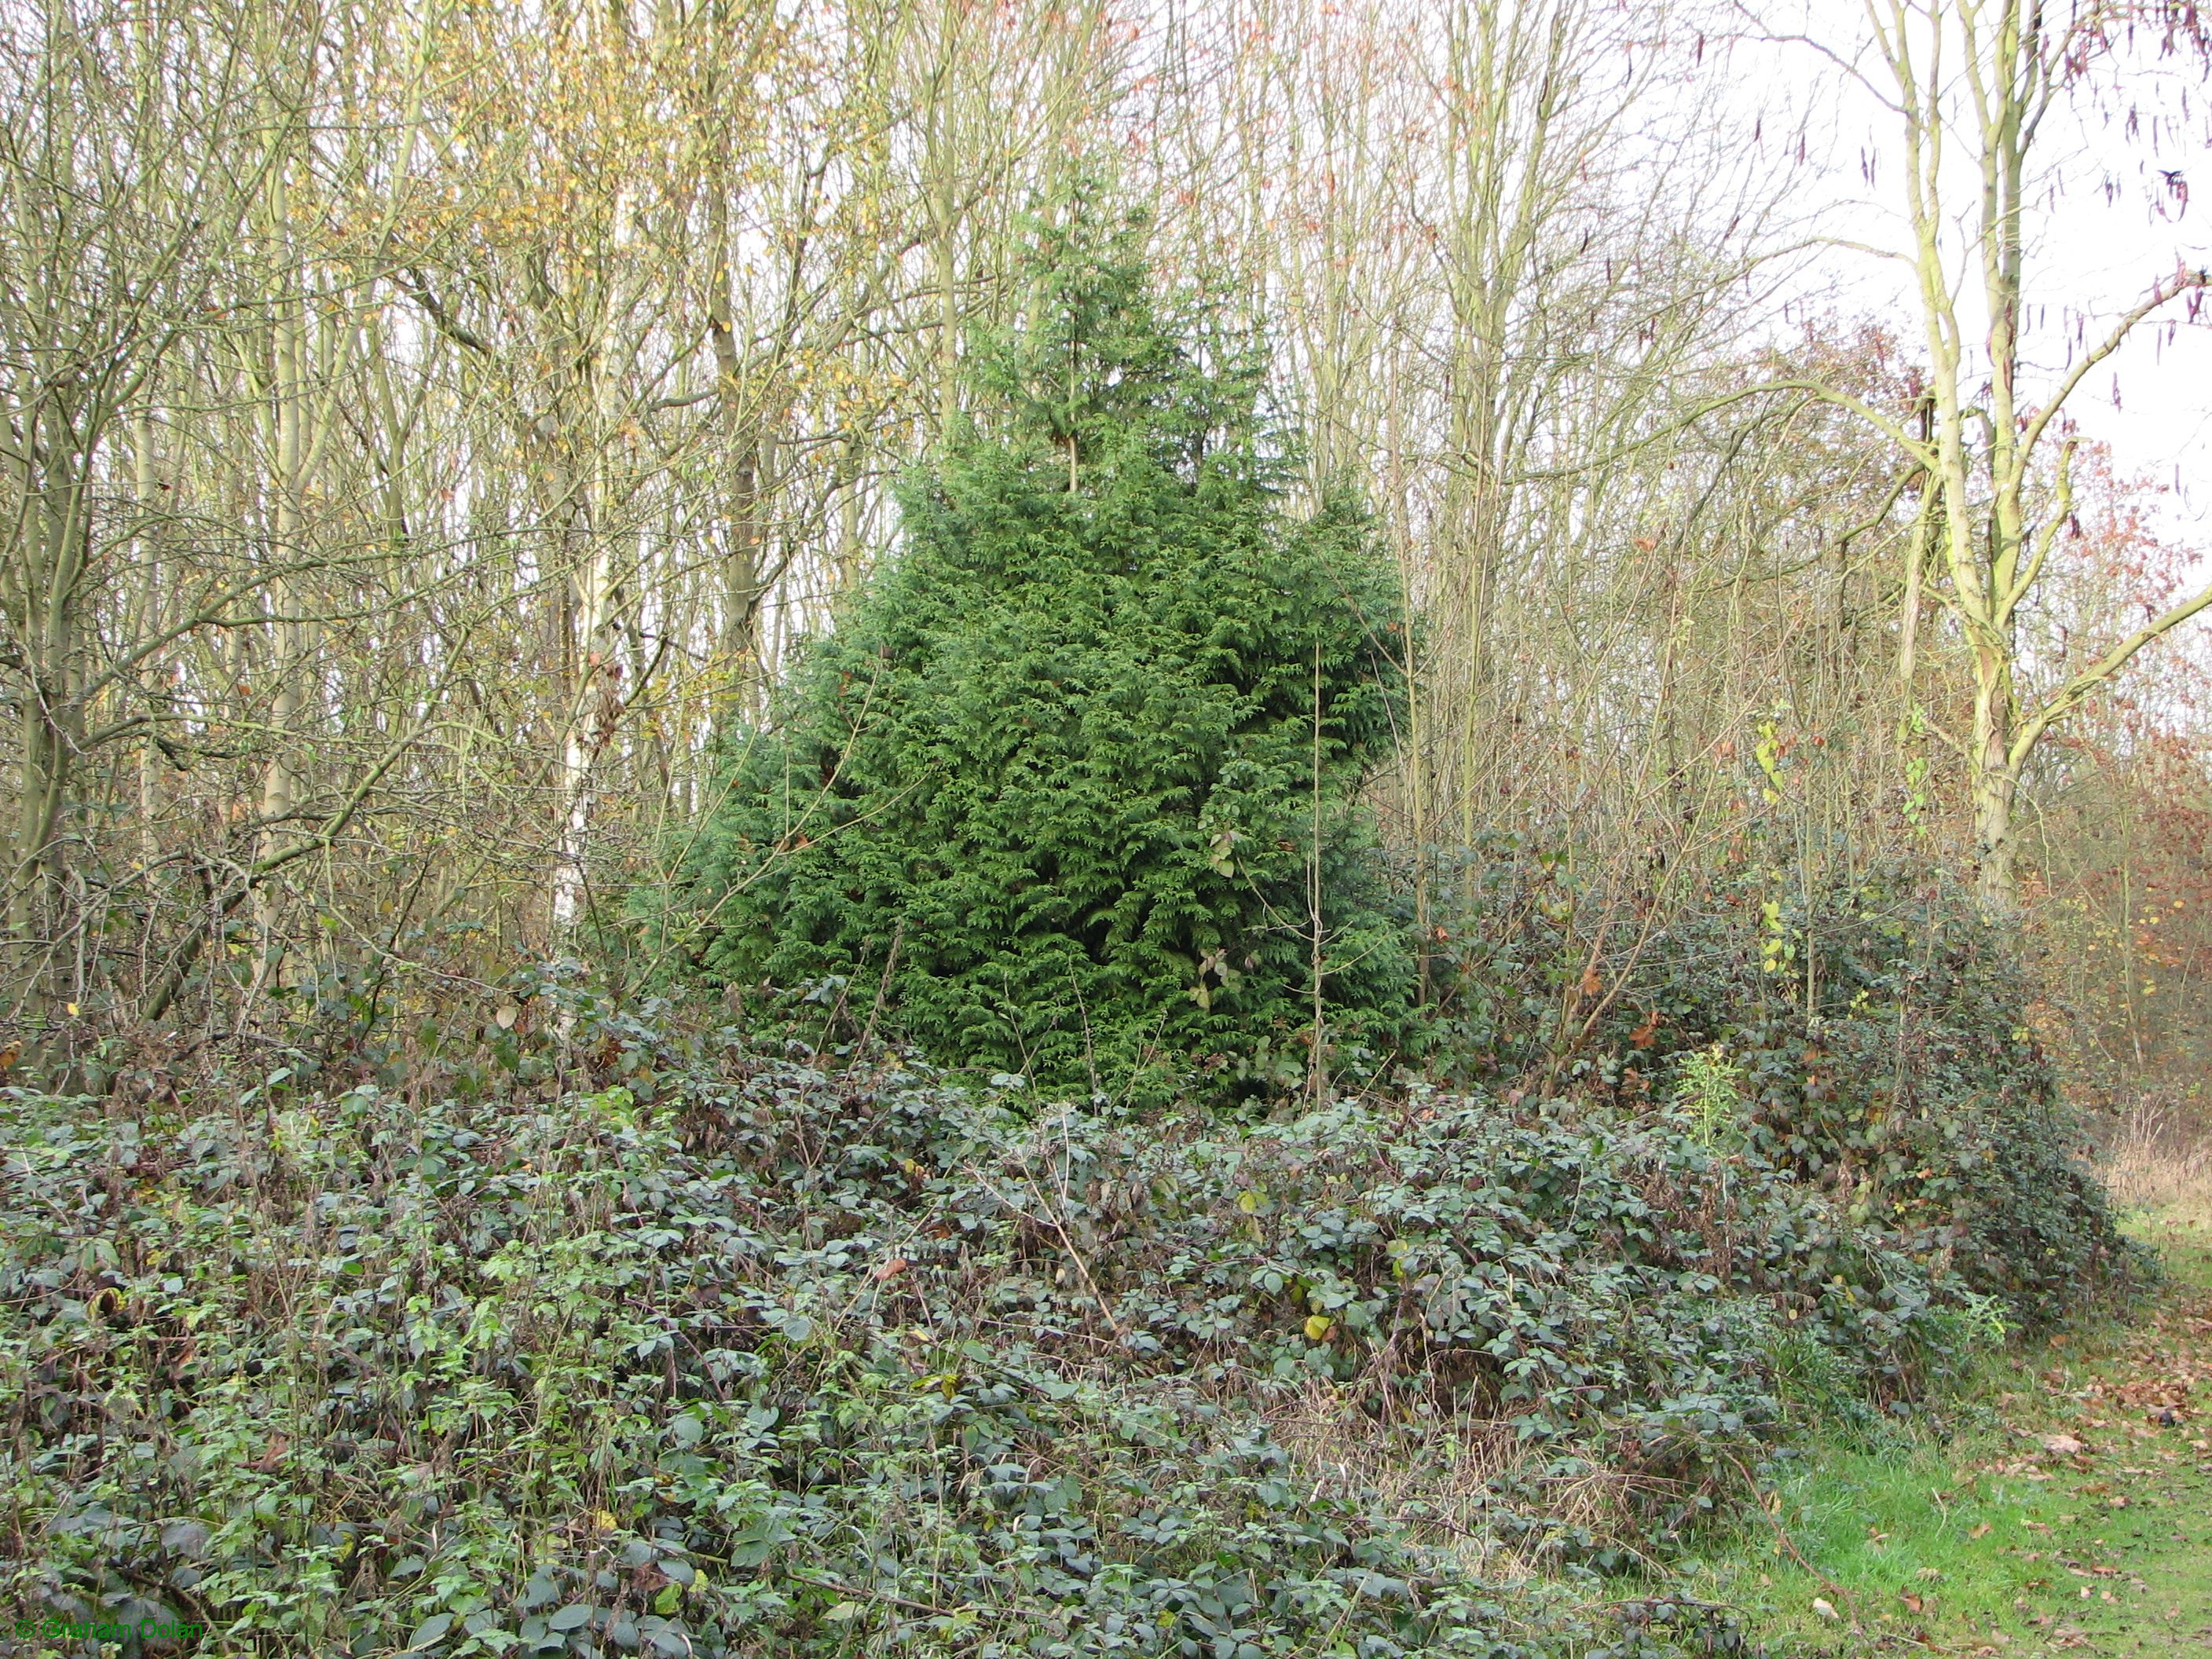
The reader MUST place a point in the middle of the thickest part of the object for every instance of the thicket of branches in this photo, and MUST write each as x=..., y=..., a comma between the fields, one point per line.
x=427, y=426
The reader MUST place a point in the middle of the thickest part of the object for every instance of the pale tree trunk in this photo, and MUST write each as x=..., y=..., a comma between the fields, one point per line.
x=1991, y=73
x=593, y=595
x=49, y=621
x=56, y=424
x=300, y=395
x=592, y=636
x=279, y=781
x=941, y=160
x=144, y=488
x=1994, y=784
x=1510, y=70
x=745, y=455
x=848, y=558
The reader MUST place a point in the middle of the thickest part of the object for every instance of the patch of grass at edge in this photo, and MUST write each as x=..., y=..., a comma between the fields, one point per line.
x=1933, y=1535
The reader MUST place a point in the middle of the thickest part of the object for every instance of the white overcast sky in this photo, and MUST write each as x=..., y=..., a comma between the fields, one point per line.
x=2106, y=224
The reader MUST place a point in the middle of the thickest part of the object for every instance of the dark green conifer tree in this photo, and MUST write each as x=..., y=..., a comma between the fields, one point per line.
x=1048, y=797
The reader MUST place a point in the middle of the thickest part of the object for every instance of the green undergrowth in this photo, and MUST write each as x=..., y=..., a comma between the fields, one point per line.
x=1877, y=1034
x=737, y=1356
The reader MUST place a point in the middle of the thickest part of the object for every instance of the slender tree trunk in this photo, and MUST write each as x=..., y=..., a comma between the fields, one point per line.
x=279, y=780
x=1994, y=785
x=591, y=590
x=149, y=624
x=49, y=621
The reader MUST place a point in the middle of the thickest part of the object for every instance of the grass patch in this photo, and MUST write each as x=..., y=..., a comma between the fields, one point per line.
x=2182, y=1236
x=2063, y=1504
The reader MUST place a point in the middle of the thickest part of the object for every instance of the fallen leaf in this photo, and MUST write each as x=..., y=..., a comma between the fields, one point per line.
x=2062, y=1445
x=1824, y=1609
x=1981, y=1531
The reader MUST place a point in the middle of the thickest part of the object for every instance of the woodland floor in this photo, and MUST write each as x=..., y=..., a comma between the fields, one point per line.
x=2069, y=1511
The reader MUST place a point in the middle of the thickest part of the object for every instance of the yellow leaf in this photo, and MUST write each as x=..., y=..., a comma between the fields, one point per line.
x=1249, y=1202
x=1318, y=1328
x=602, y=1520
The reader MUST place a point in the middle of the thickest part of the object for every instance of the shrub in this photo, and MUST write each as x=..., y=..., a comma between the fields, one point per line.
x=1875, y=1038
x=1047, y=800
x=739, y=1358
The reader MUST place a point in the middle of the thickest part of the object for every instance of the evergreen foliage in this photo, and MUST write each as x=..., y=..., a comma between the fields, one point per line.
x=1047, y=800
